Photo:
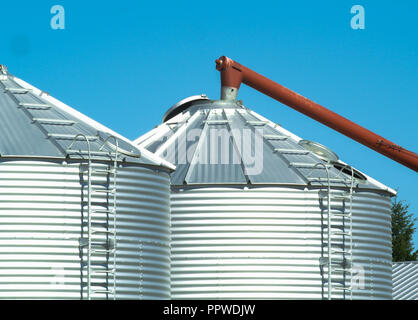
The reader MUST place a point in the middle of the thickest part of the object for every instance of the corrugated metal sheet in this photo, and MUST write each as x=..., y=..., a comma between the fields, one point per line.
x=233, y=243
x=222, y=142
x=41, y=213
x=405, y=280
x=33, y=124
x=239, y=234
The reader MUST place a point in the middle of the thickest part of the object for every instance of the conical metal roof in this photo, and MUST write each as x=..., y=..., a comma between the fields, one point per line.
x=214, y=142
x=33, y=124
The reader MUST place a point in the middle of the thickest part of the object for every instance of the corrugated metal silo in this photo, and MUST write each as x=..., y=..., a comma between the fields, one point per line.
x=83, y=212
x=250, y=208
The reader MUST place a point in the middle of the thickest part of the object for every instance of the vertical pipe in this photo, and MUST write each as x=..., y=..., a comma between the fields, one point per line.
x=115, y=166
x=88, y=211
x=350, y=219
x=89, y=231
x=329, y=226
x=329, y=237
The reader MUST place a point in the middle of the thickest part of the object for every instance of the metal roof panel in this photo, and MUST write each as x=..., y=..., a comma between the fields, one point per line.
x=405, y=280
x=256, y=150
x=34, y=124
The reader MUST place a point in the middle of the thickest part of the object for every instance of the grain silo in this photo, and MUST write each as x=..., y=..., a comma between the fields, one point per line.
x=84, y=214
x=258, y=212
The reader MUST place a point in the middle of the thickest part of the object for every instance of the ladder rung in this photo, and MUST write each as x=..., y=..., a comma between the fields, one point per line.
x=103, y=291
x=37, y=106
x=94, y=169
x=96, y=202
x=93, y=153
x=341, y=288
x=344, y=264
x=54, y=121
x=257, y=122
x=111, y=171
x=103, y=271
x=102, y=231
x=85, y=243
x=348, y=215
x=97, y=224
x=291, y=151
x=326, y=179
x=103, y=250
x=336, y=196
x=275, y=137
x=338, y=268
x=217, y=121
x=340, y=251
x=343, y=233
x=334, y=206
x=64, y=136
x=341, y=270
x=340, y=197
x=325, y=244
x=306, y=165
x=18, y=90
x=175, y=123
x=104, y=190
x=103, y=210
x=339, y=260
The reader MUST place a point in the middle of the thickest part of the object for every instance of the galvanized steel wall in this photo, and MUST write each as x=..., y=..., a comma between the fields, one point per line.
x=265, y=242
x=40, y=231
x=405, y=280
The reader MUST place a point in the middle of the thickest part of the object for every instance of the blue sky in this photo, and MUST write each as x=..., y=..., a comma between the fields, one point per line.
x=124, y=63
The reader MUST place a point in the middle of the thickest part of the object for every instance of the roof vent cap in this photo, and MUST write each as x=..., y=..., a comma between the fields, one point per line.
x=319, y=150
x=183, y=105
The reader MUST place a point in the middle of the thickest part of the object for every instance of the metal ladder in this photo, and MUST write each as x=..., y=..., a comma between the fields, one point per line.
x=100, y=243
x=339, y=260
x=95, y=249
x=29, y=107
